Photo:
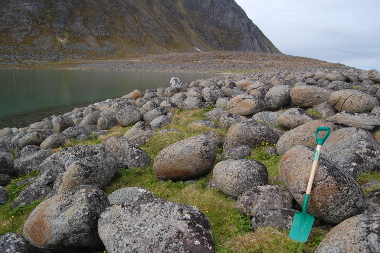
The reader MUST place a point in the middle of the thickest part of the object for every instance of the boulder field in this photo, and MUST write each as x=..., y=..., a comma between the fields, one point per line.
x=279, y=108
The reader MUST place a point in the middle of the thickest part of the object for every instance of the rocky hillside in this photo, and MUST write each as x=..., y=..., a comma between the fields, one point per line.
x=42, y=29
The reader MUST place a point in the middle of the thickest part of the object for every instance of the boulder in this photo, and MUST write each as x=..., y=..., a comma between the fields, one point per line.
x=293, y=118
x=130, y=195
x=335, y=76
x=60, y=123
x=264, y=197
x=309, y=96
x=160, y=121
x=75, y=131
x=302, y=135
x=68, y=221
x=251, y=134
x=177, y=84
x=373, y=201
x=246, y=105
x=353, y=150
x=228, y=119
x=352, y=101
x=155, y=226
x=106, y=122
x=236, y=153
x=374, y=75
x=3, y=196
x=364, y=120
x=186, y=159
x=191, y=103
x=135, y=94
x=90, y=119
x=4, y=179
x=36, y=137
x=277, y=97
x=13, y=243
x=325, y=109
x=138, y=129
x=51, y=170
x=128, y=116
x=335, y=196
x=26, y=164
x=234, y=177
x=212, y=94
x=281, y=218
x=97, y=170
x=6, y=163
x=54, y=141
x=357, y=234
x=267, y=117
x=129, y=154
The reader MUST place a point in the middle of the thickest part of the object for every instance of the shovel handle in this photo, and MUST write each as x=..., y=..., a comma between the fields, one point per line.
x=320, y=141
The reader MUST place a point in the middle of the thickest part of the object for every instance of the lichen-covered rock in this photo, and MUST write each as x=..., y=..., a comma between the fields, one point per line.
x=36, y=137
x=374, y=75
x=212, y=94
x=13, y=243
x=129, y=154
x=138, y=129
x=238, y=152
x=60, y=123
x=6, y=163
x=155, y=226
x=130, y=195
x=202, y=123
x=228, y=119
x=106, y=122
x=364, y=120
x=352, y=100
x=191, y=103
x=335, y=195
x=325, y=109
x=251, y=134
x=4, y=179
x=353, y=150
x=128, y=116
x=278, y=96
x=373, y=201
x=233, y=177
x=90, y=119
x=160, y=121
x=67, y=221
x=54, y=141
x=309, y=96
x=26, y=164
x=293, y=118
x=302, y=135
x=267, y=117
x=246, y=105
x=3, y=196
x=357, y=234
x=281, y=218
x=186, y=159
x=97, y=170
x=264, y=197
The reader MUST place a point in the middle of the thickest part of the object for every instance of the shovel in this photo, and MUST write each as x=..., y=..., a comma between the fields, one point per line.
x=303, y=222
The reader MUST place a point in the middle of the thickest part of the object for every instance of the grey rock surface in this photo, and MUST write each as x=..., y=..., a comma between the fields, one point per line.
x=293, y=118
x=130, y=195
x=234, y=177
x=352, y=100
x=13, y=243
x=309, y=96
x=157, y=225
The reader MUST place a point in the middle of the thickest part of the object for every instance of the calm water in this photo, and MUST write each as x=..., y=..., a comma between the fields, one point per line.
x=28, y=96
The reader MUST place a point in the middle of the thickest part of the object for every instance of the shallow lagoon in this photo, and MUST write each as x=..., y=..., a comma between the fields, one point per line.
x=28, y=96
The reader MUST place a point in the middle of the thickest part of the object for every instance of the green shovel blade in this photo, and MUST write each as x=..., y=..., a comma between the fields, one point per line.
x=302, y=223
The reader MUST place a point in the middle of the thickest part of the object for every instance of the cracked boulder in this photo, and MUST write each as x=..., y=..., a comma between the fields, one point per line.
x=352, y=100
x=335, y=195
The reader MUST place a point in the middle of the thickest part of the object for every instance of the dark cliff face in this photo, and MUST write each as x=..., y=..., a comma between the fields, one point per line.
x=96, y=28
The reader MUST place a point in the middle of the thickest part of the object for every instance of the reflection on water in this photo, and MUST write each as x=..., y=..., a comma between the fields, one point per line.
x=28, y=96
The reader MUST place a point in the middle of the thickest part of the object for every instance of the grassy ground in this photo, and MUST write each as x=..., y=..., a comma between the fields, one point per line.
x=231, y=230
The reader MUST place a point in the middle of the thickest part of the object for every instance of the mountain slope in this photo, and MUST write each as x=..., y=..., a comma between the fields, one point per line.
x=55, y=29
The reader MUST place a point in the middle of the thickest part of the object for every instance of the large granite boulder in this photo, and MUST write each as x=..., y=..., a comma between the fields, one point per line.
x=128, y=116
x=60, y=123
x=251, y=134
x=155, y=226
x=246, y=105
x=26, y=164
x=234, y=177
x=68, y=221
x=335, y=195
x=352, y=100
x=353, y=150
x=302, y=135
x=309, y=96
x=356, y=234
x=129, y=154
x=277, y=97
x=6, y=163
x=186, y=159
x=35, y=137
x=130, y=195
x=367, y=121
x=264, y=197
x=293, y=118
x=54, y=141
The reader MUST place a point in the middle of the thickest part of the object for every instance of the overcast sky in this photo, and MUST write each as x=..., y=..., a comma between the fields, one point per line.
x=345, y=31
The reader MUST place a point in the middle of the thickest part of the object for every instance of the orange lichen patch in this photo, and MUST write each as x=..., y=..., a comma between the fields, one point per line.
x=37, y=228
x=325, y=194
